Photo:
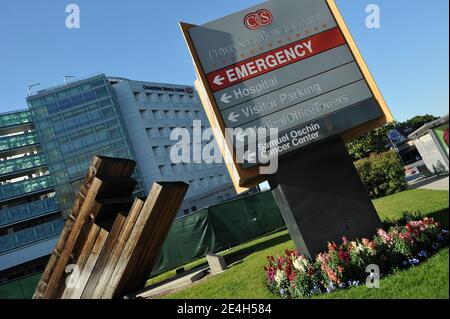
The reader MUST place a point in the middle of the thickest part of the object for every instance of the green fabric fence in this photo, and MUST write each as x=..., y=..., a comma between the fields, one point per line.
x=217, y=228
x=22, y=288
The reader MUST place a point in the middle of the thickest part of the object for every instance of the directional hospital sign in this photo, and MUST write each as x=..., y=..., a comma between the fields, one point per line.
x=290, y=65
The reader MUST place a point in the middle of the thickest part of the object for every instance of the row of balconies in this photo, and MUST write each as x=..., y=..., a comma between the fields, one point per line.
x=31, y=235
x=27, y=211
x=25, y=187
x=11, y=142
x=19, y=166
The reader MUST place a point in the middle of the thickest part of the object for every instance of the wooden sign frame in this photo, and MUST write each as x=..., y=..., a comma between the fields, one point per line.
x=243, y=179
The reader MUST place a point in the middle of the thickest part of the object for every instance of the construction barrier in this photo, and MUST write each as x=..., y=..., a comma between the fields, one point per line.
x=217, y=228
x=22, y=288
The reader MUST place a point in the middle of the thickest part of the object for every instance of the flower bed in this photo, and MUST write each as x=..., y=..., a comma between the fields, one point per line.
x=344, y=266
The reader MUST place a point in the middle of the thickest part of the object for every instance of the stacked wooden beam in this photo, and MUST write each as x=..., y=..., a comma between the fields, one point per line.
x=110, y=241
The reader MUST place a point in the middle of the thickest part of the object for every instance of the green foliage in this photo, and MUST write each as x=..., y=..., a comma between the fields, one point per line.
x=417, y=121
x=383, y=174
x=369, y=143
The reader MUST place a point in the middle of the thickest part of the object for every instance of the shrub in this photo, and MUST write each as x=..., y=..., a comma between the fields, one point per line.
x=383, y=174
x=294, y=276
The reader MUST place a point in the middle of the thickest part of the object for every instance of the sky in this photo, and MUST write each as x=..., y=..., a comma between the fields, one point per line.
x=140, y=39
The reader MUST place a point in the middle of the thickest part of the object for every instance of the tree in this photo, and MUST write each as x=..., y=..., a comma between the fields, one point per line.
x=417, y=121
x=375, y=141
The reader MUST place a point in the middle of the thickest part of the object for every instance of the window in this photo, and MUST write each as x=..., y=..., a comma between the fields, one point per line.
x=97, y=82
x=85, y=87
x=155, y=97
x=77, y=100
x=93, y=117
x=105, y=103
x=194, y=208
x=153, y=132
x=115, y=133
x=48, y=133
x=62, y=94
x=101, y=92
x=36, y=103
x=75, y=90
x=108, y=113
x=50, y=98
x=144, y=114
x=122, y=154
x=89, y=96
x=168, y=114
x=64, y=103
x=168, y=148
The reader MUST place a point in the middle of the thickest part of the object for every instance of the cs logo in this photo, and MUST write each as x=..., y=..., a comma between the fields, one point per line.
x=258, y=19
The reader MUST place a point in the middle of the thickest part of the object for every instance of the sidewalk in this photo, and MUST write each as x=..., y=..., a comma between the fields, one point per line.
x=434, y=183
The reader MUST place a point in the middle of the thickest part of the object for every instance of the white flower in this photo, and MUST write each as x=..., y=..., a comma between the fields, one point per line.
x=300, y=264
x=279, y=276
x=360, y=248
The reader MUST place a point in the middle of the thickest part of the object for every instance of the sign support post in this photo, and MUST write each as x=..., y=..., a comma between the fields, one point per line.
x=322, y=198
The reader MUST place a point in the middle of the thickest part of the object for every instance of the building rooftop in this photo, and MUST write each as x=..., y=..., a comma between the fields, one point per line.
x=424, y=129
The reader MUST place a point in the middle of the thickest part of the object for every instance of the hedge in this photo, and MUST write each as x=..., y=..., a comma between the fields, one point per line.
x=383, y=174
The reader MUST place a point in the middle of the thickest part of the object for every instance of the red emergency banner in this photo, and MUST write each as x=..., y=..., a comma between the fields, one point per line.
x=275, y=59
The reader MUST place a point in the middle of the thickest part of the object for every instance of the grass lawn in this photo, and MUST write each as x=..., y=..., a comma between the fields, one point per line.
x=245, y=279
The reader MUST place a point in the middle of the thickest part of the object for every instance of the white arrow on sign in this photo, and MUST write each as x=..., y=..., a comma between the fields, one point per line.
x=225, y=98
x=218, y=80
x=250, y=156
x=232, y=117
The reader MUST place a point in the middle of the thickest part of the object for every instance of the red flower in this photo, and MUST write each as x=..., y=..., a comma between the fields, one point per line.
x=409, y=227
x=343, y=256
x=291, y=276
x=291, y=253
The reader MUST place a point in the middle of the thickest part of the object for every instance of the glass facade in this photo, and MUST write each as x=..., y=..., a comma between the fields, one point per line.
x=28, y=186
x=31, y=235
x=76, y=122
x=27, y=211
x=21, y=164
x=16, y=141
x=16, y=118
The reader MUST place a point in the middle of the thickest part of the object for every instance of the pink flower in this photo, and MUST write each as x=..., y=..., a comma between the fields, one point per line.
x=332, y=247
x=385, y=236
